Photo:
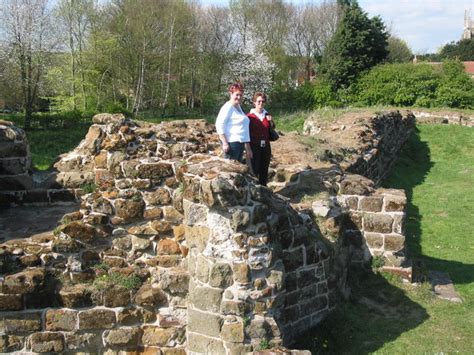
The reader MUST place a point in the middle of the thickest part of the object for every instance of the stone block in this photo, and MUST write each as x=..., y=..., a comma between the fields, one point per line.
x=197, y=237
x=100, y=160
x=155, y=171
x=157, y=336
x=237, y=308
x=164, y=261
x=395, y=203
x=374, y=240
x=172, y=215
x=240, y=219
x=10, y=302
x=27, y=281
x=116, y=296
x=206, y=298
x=168, y=247
x=371, y=203
x=123, y=337
x=96, y=319
x=160, y=196
x=204, y=323
x=16, y=183
x=14, y=166
x=103, y=179
x=220, y=275
x=380, y=223
x=129, y=210
x=398, y=223
x=233, y=332
x=306, y=277
x=60, y=319
x=150, y=296
x=19, y=322
x=201, y=344
x=202, y=268
x=153, y=213
x=84, y=341
x=241, y=272
x=356, y=185
x=140, y=244
x=10, y=149
x=293, y=259
x=258, y=328
x=80, y=231
x=394, y=242
x=46, y=342
x=174, y=280
x=11, y=343
x=75, y=296
x=129, y=316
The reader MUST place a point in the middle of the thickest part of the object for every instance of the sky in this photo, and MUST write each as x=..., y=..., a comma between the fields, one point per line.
x=426, y=25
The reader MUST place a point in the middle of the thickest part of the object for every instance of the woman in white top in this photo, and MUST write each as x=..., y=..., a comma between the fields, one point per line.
x=232, y=126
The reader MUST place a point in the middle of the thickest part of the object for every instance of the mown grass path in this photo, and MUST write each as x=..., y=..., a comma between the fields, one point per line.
x=436, y=169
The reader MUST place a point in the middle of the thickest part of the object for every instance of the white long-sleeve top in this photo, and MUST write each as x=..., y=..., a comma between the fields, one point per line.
x=233, y=123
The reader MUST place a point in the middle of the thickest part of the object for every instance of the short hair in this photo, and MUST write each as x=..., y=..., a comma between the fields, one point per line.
x=236, y=87
x=259, y=94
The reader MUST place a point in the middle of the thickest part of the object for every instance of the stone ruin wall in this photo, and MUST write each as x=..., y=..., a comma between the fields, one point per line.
x=220, y=262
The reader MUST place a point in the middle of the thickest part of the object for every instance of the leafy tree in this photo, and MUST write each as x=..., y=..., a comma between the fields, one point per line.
x=398, y=50
x=462, y=50
x=359, y=43
x=456, y=88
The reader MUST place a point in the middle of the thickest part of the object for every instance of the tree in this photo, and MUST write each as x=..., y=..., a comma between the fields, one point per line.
x=398, y=50
x=462, y=50
x=29, y=38
x=310, y=30
x=358, y=44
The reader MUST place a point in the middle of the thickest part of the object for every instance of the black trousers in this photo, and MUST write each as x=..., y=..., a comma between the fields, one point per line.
x=261, y=162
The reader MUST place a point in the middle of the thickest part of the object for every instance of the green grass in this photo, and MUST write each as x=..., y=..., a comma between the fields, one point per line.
x=436, y=169
x=47, y=145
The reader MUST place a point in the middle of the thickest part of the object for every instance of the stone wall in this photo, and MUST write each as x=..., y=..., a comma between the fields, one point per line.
x=175, y=250
x=444, y=118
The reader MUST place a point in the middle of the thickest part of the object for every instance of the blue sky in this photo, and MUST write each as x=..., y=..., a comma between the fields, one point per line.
x=426, y=25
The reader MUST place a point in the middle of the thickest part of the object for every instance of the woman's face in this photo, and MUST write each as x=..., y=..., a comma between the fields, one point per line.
x=236, y=97
x=259, y=103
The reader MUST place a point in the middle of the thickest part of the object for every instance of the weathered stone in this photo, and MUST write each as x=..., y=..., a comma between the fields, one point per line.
x=60, y=319
x=161, y=227
x=293, y=259
x=19, y=322
x=140, y=244
x=233, y=332
x=240, y=219
x=116, y=296
x=241, y=272
x=394, y=242
x=129, y=210
x=129, y=316
x=202, y=269
x=220, y=275
x=258, y=328
x=155, y=171
x=103, y=179
x=11, y=343
x=24, y=282
x=197, y=236
x=172, y=215
x=399, y=223
x=203, y=345
x=150, y=296
x=80, y=231
x=157, y=336
x=102, y=205
x=174, y=280
x=164, y=261
x=276, y=279
x=160, y=196
x=371, y=204
x=356, y=185
x=100, y=160
x=204, y=323
x=46, y=342
x=206, y=298
x=10, y=302
x=96, y=319
x=374, y=240
x=168, y=247
x=380, y=223
x=237, y=308
x=395, y=203
x=113, y=162
x=75, y=341
x=123, y=337
x=153, y=213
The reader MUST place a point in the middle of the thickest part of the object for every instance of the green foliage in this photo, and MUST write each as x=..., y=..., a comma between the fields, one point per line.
x=422, y=85
x=377, y=262
x=324, y=95
x=264, y=344
x=358, y=44
x=88, y=188
x=398, y=50
x=105, y=281
x=462, y=50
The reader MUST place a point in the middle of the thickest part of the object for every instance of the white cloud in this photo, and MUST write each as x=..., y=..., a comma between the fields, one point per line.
x=426, y=25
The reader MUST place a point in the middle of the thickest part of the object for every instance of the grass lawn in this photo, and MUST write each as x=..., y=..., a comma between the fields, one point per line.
x=47, y=145
x=436, y=169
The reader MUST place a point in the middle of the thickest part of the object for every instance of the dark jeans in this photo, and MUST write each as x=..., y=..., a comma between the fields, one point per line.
x=236, y=150
x=261, y=162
